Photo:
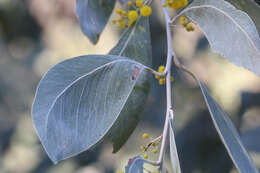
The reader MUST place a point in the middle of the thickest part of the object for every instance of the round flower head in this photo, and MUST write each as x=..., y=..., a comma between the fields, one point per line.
x=146, y=11
x=184, y=20
x=122, y=24
x=138, y=3
x=155, y=151
x=118, y=10
x=190, y=27
x=161, y=68
x=162, y=81
x=129, y=3
x=132, y=16
x=145, y=136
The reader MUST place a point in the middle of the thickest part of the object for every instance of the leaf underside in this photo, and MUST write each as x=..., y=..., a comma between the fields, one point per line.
x=229, y=135
x=135, y=43
x=79, y=100
x=230, y=32
x=85, y=100
x=93, y=16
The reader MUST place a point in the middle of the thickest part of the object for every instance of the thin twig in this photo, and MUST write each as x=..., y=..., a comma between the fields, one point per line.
x=158, y=139
x=182, y=67
x=168, y=83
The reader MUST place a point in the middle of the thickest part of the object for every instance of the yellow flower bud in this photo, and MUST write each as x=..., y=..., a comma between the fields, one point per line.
x=145, y=156
x=172, y=79
x=122, y=24
x=114, y=21
x=161, y=68
x=165, y=5
x=132, y=15
x=162, y=81
x=120, y=19
x=129, y=3
x=145, y=136
x=138, y=3
x=190, y=27
x=124, y=13
x=118, y=10
x=146, y=11
x=176, y=4
x=184, y=20
x=157, y=77
x=184, y=3
x=154, y=151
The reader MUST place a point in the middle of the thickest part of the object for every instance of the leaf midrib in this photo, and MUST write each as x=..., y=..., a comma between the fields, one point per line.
x=76, y=80
x=220, y=131
x=226, y=14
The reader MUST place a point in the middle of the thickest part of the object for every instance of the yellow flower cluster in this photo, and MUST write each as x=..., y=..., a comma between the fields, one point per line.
x=175, y=4
x=186, y=23
x=162, y=80
x=127, y=18
x=154, y=144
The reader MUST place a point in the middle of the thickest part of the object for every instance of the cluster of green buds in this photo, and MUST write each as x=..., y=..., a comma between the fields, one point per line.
x=186, y=23
x=127, y=18
x=175, y=4
x=161, y=79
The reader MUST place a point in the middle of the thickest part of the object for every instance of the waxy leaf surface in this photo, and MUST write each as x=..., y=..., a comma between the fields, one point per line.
x=228, y=134
x=230, y=32
x=135, y=43
x=93, y=16
x=79, y=100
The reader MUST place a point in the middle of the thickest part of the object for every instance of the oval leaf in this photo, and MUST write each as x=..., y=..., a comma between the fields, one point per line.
x=135, y=165
x=79, y=100
x=135, y=43
x=230, y=32
x=229, y=135
x=173, y=150
x=93, y=16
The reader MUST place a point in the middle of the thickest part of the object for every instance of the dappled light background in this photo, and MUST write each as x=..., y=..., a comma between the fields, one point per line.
x=37, y=34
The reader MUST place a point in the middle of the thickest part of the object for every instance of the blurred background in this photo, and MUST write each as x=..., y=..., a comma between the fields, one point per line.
x=37, y=34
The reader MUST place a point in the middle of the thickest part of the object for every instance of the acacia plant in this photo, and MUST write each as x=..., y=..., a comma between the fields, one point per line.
x=86, y=100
